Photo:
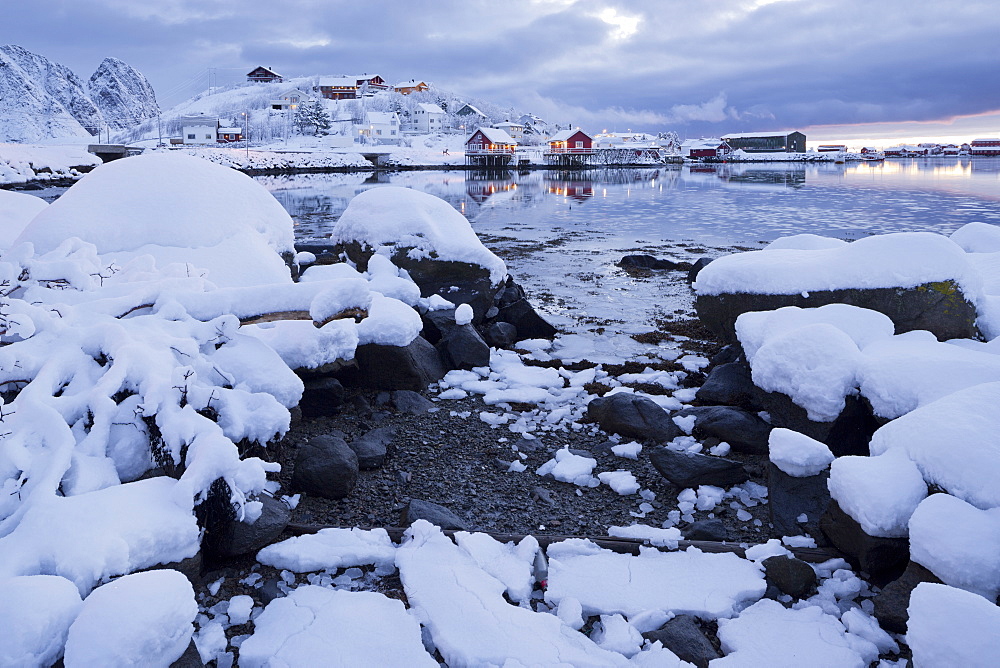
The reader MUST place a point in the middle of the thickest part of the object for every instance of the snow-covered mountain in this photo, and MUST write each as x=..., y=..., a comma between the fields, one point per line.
x=41, y=99
x=122, y=93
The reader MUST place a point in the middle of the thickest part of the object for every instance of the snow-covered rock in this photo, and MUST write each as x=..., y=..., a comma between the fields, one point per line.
x=143, y=619
x=796, y=454
x=958, y=542
x=35, y=616
x=16, y=211
x=951, y=627
x=879, y=492
x=330, y=549
x=217, y=220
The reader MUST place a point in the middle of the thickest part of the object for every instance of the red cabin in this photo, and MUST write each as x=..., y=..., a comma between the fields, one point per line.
x=571, y=141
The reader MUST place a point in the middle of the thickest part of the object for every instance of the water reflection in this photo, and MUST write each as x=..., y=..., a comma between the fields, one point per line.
x=718, y=203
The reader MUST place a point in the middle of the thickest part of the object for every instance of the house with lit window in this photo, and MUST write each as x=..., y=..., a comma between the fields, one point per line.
x=571, y=141
x=199, y=129
x=229, y=135
x=381, y=127
x=489, y=147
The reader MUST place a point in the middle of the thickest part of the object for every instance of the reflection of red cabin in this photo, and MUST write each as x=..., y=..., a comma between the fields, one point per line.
x=580, y=191
x=571, y=141
x=264, y=75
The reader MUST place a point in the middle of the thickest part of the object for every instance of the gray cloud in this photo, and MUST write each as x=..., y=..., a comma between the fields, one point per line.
x=699, y=68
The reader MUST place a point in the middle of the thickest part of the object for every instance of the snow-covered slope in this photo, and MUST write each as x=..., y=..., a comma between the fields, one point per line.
x=122, y=93
x=40, y=99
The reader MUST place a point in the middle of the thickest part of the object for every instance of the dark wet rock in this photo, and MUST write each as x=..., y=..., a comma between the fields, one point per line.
x=848, y=434
x=690, y=470
x=696, y=268
x=246, y=538
x=500, y=334
x=650, y=262
x=325, y=466
x=528, y=323
x=189, y=659
x=322, y=397
x=417, y=509
x=790, y=497
x=713, y=530
x=633, y=416
x=463, y=348
x=892, y=602
x=458, y=282
x=408, y=401
x=410, y=367
x=730, y=384
x=792, y=576
x=882, y=558
x=938, y=307
x=270, y=590
x=741, y=429
x=727, y=355
x=371, y=448
x=682, y=636
x=191, y=568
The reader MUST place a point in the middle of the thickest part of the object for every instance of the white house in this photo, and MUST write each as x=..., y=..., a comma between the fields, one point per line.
x=382, y=127
x=199, y=129
x=425, y=119
x=515, y=130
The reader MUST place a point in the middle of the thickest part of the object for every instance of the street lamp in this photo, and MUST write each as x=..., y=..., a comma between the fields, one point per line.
x=246, y=134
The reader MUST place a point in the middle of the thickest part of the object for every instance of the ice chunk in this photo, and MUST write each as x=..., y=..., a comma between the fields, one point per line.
x=463, y=314
x=315, y=626
x=689, y=582
x=614, y=633
x=768, y=634
x=512, y=564
x=469, y=620
x=568, y=467
x=659, y=537
x=621, y=481
x=879, y=492
x=330, y=549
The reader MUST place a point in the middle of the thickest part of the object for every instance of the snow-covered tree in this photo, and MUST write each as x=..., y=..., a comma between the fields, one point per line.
x=313, y=118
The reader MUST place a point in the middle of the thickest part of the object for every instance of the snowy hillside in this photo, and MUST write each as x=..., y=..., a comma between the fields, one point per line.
x=122, y=93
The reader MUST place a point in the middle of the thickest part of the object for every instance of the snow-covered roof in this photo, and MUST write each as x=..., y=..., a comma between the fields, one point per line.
x=747, y=135
x=430, y=108
x=470, y=109
x=713, y=142
x=230, y=130
x=412, y=83
x=200, y=119
x=266, y=69
x=496, y=136
x=509, y=124
x=563, y=135
x=381, y=117
x=338, y=82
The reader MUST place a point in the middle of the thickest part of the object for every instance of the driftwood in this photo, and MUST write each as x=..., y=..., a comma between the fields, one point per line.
x=615, y=544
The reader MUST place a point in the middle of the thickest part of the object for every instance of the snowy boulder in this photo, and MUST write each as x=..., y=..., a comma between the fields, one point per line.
x=879, y=492
x=951, y=627
x=633, y=416
x=958, y=542
x=875, y=555
x=796, y=454
x=427, y=238
x=393, y=367
x=16, y=211
x=513, y=308
x=246, y=536
x=953, y=442
x=795, y=504
x=143, y=619
x=684, y=637
x=978, y=237
x=35, y=616
x=178, y=209
x=919, y=280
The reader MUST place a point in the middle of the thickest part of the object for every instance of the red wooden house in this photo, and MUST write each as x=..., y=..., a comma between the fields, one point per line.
x=489, y=147
x=571, y=141
x=987, y=147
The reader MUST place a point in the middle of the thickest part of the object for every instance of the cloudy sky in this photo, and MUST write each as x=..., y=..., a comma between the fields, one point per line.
x=851, y=70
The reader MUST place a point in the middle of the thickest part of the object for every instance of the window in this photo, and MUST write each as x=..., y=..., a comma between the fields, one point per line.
x=190, y=136
x=579, y=144
x=378, y=132
x=208, y=136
